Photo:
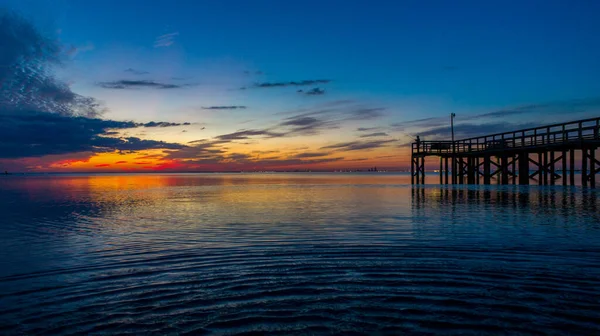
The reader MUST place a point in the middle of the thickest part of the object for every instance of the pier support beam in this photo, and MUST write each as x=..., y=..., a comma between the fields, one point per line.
x=461, y=171
x=552, y=174
x=524, y=168
x=564, y=168
x=545, y=166
x=454, y=170
x=471, y=170
x=572, y=167
x=446, y=168
x=540, y=169
x=592, y=175
x=423, y=170
x=412, y=170
x=584, y=167
x=504, y=169
x=441, y=171
x=487, y=167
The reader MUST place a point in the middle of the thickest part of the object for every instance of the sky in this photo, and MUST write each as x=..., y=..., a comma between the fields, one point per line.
x=281, y=85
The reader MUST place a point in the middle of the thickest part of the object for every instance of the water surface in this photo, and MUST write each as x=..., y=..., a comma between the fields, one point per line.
x=295, y=253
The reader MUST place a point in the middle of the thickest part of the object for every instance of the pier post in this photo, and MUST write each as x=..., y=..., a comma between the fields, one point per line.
x=454, y=169
x=552, y=168
x=592, y=157
x=545, y=165
x=564, y=168
x=477, y=170
x=504, y=171
x=487, y=169
x=514, y=169
x=540, y=171
x=584, y=161
x=412, y=170
x=471, y=170
x=572, y=167
x=524, y=168
x=461, y=169
x=441, y=171
x=423, y=170
x=446, y=169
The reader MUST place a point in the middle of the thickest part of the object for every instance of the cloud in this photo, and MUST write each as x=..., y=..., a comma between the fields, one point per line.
x=26, y=77
x=377, y=134
x=291, y=83
x=313, y=92
x=152, y=156
x=29, y=134
x=163, y=124
x=247, y=134
x=165, y=40
x=136, y=72
x=365, y=129
x=120, y=162
x=358, y=145
x=103, y=165
x=140, y=84
x=231, y=107
x=310, y=155
x=366, y=113
x=301, y=121
x=303, y=125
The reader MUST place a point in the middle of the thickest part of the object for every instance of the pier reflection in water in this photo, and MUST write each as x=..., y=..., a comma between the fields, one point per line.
x=295, y=253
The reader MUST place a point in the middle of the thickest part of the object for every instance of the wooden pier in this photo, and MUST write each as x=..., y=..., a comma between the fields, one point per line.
x=516, y=157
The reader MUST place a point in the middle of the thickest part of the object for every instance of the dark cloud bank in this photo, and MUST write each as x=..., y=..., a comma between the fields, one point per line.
x=40, y=115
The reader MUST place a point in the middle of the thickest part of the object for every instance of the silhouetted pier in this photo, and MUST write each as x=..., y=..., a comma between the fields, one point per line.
x=516, y=157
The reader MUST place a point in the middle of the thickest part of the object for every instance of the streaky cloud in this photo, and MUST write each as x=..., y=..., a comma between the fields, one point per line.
x=165, y=40
x=230, y=107
x=358, y=145
x=136, y=72
x=140, y=84
x=377, y=134
x=292, y=83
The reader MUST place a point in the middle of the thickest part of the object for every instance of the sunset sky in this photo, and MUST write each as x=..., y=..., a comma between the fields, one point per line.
x=281, y=85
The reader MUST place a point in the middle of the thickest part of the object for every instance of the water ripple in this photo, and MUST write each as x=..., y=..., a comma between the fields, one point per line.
x=186, y=257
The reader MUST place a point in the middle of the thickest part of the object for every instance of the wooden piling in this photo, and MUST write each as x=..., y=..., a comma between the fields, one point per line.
x=523, y=168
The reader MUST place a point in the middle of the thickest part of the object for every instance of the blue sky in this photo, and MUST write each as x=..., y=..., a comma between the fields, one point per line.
x=411, y=59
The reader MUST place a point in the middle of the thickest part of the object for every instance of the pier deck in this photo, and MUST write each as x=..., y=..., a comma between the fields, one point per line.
x=509, y=157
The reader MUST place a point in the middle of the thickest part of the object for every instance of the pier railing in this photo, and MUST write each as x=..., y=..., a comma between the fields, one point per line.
x=550, y=135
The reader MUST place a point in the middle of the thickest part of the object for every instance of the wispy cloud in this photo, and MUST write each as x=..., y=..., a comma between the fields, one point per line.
x=231, y=107
x=365, y=129
x=291, y=83
x=165, y=40
x=365, y=113
x=358, y=145
x=140, y=84
x=311, y=155
x=136, y=72
x=313, y=92
x=377, y=134
x=163, y=124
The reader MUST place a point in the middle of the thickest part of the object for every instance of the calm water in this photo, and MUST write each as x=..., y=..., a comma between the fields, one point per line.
x=303, y=253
